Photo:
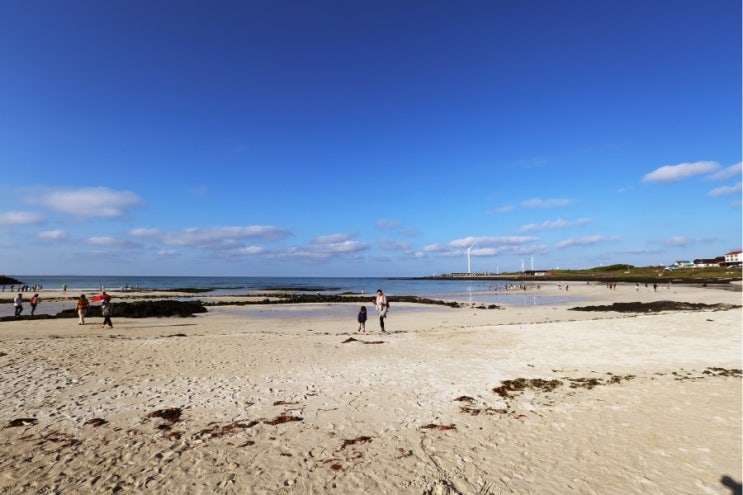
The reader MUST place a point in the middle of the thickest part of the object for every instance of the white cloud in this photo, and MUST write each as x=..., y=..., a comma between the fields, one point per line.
x=725, y=190
x=91, y=202
x=252, y=250
x=671, y=173
x=20, y=218
x=337, y=244
x=325, y=247
x=484, y=246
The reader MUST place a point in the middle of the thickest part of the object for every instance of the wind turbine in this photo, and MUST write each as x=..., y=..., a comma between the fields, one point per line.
x=468, y=257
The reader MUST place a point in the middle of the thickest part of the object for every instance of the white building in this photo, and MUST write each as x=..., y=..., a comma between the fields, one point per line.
x=733, y=258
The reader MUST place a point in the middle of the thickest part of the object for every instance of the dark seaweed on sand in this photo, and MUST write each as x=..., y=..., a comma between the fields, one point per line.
x=433, y=426
x=144, y=309
x=351, y=339
x=656, y=307
x=15, y=423
x=330, y=298
x=137, y=309
x=171, y=414
x=282, y=418
x=354, y=441
x=520, y=384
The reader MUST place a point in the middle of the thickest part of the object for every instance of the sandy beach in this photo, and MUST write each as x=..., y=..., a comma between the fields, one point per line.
x=290, y=399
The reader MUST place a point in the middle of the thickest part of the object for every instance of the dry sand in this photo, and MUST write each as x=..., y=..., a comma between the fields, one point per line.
x=277, y=399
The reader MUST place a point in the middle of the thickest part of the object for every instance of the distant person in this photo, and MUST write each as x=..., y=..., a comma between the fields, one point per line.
x=18, y=304
x=34, y=301
x=361, y=318
x=82, y=307
x=382, y=307
x=106, y=310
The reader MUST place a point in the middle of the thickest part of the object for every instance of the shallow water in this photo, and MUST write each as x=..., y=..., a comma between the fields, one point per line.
x=467, y=291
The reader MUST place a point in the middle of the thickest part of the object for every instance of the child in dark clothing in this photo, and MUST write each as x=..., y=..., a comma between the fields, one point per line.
x=362, y=320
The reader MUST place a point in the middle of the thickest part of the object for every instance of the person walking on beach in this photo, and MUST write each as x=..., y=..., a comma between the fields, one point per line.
x=18, y=304
x=82, y=307
x=361, y=318
x=34, y=302
x=106, y=312
x=382, y=307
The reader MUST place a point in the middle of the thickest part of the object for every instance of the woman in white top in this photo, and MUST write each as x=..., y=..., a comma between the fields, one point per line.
x=382, y=307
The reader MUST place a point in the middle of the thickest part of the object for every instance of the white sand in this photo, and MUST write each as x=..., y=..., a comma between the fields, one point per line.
x=360, y=411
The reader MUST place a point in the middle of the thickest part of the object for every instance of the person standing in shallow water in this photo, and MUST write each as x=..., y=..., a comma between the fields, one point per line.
x=382, y=307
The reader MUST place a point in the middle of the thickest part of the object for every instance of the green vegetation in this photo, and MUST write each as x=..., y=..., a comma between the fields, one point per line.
x=649, y=273
x=619, y=273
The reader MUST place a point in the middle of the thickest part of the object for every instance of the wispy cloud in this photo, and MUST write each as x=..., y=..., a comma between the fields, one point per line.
x=531, y=203
x=491, y=241
x=677, y=241
x=52, y=235
x=91, y=202
x=672, y=173
x=391, y=245
x=483, y=246
x=581, y=241
x=167, y=253
x=20, y=218
x=110, y=242
x=213, y=237
x=546, y=203
x=727, y=173
x=554, y=224
x=325, y=247
x=725, y=190
x=500, y=210
x=386, y=224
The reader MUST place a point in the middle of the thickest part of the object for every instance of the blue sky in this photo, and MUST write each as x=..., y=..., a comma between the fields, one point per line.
x=336, y=138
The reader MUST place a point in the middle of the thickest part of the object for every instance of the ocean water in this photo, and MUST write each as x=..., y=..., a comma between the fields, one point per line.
x=473, y=291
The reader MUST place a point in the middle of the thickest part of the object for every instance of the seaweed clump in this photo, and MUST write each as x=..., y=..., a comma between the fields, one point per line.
x=656, y=307
x=144, y=309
